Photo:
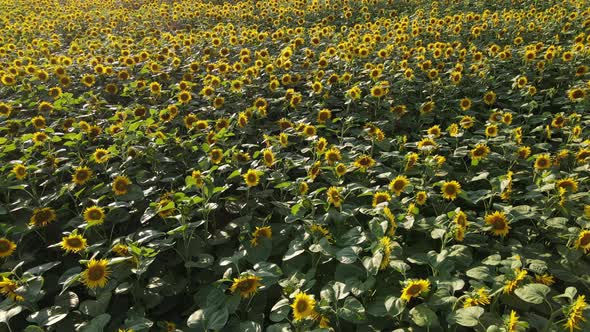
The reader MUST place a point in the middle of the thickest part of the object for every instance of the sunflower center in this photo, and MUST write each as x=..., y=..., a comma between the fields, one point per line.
x=414, y=290
x=450, y=190
x=74, y=242
x=121, y=185
x=398, y=185
x=584, y=241
x=498, y=223
x=95, y=215
x=81, y=175
x=42, y=216
x=246, y=285
x=302, y=306
x=4, y=246
x=96, y=273
x=251, y=178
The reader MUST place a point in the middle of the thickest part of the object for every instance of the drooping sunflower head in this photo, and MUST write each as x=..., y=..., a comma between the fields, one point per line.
x=96, y=274
x=94, y=215
x=247, y=286
x=42, y=216
x=498, y=222
x=303, y=306
x=450, y=190
x=7, y=247
x=398, y=184
x=73, y=243
x=121, y=185
x=81, y=175
x=415, y=288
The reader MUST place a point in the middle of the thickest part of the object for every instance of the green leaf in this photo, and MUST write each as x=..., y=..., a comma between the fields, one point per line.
x=97, y=324
x=533, y=293
x=352, y=310
x=394, y=305
x=280, y=310
x=48, y=316
x=346, y=255
x=469, y=316
x=423, y=316
x=480, y=273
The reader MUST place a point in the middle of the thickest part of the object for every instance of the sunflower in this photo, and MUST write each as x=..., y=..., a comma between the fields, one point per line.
x=8, y=288
x=341, y=169
x=81, y=175
x=42, y=216
x=246, y=285
x=20, y=171
x=512, y=322
x=334, y=196
x=398, y=184
x=381, y=197
x=426, y=144
x=309, y=130
x=491, y=130
x=121, y=185
x=467, y=122
x=252, y=178
x=38, y=122
x=545, y=279
x=155, y=88
x=265, y=231
x=269, y=157
x=570, y=184
x=575, y=314
x=332, y=156
x=96, y=273
x=499, y=223
x=216, y=155
x=576, y=94
x=511, y=284
x=480, y=151
x=303, y=306
x=583, y=241
x=415, y=288
x=480, y=297
x=94, y=215
x=523, y=152
x=542, y=162
x=421, y=197
x=450, y=190
x=184, y=97
x=427, y=107
x=39, y=137
x=364, y=162
x=324, y=115
x=7, y=247
x=73, y=243
x=100, y=156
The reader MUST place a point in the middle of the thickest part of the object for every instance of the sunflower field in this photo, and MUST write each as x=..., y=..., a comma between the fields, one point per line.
x=294, y=165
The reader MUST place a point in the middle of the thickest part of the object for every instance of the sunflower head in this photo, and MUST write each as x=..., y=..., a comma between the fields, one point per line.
x=96, y=274
x=542, y=162
x=381, y=197
x=498, y=222
x=7, y=247
x=100, y=156
x=303, y=306
x=94, y=215
x=415, y=288
x=398, y=184
x=81, y=175
x=450, y=190
x=42, y=216
x=121, y=185
x=19, y=171
x=334, y=196
x=246, y=286
x=252, y=178
x=73, y=243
